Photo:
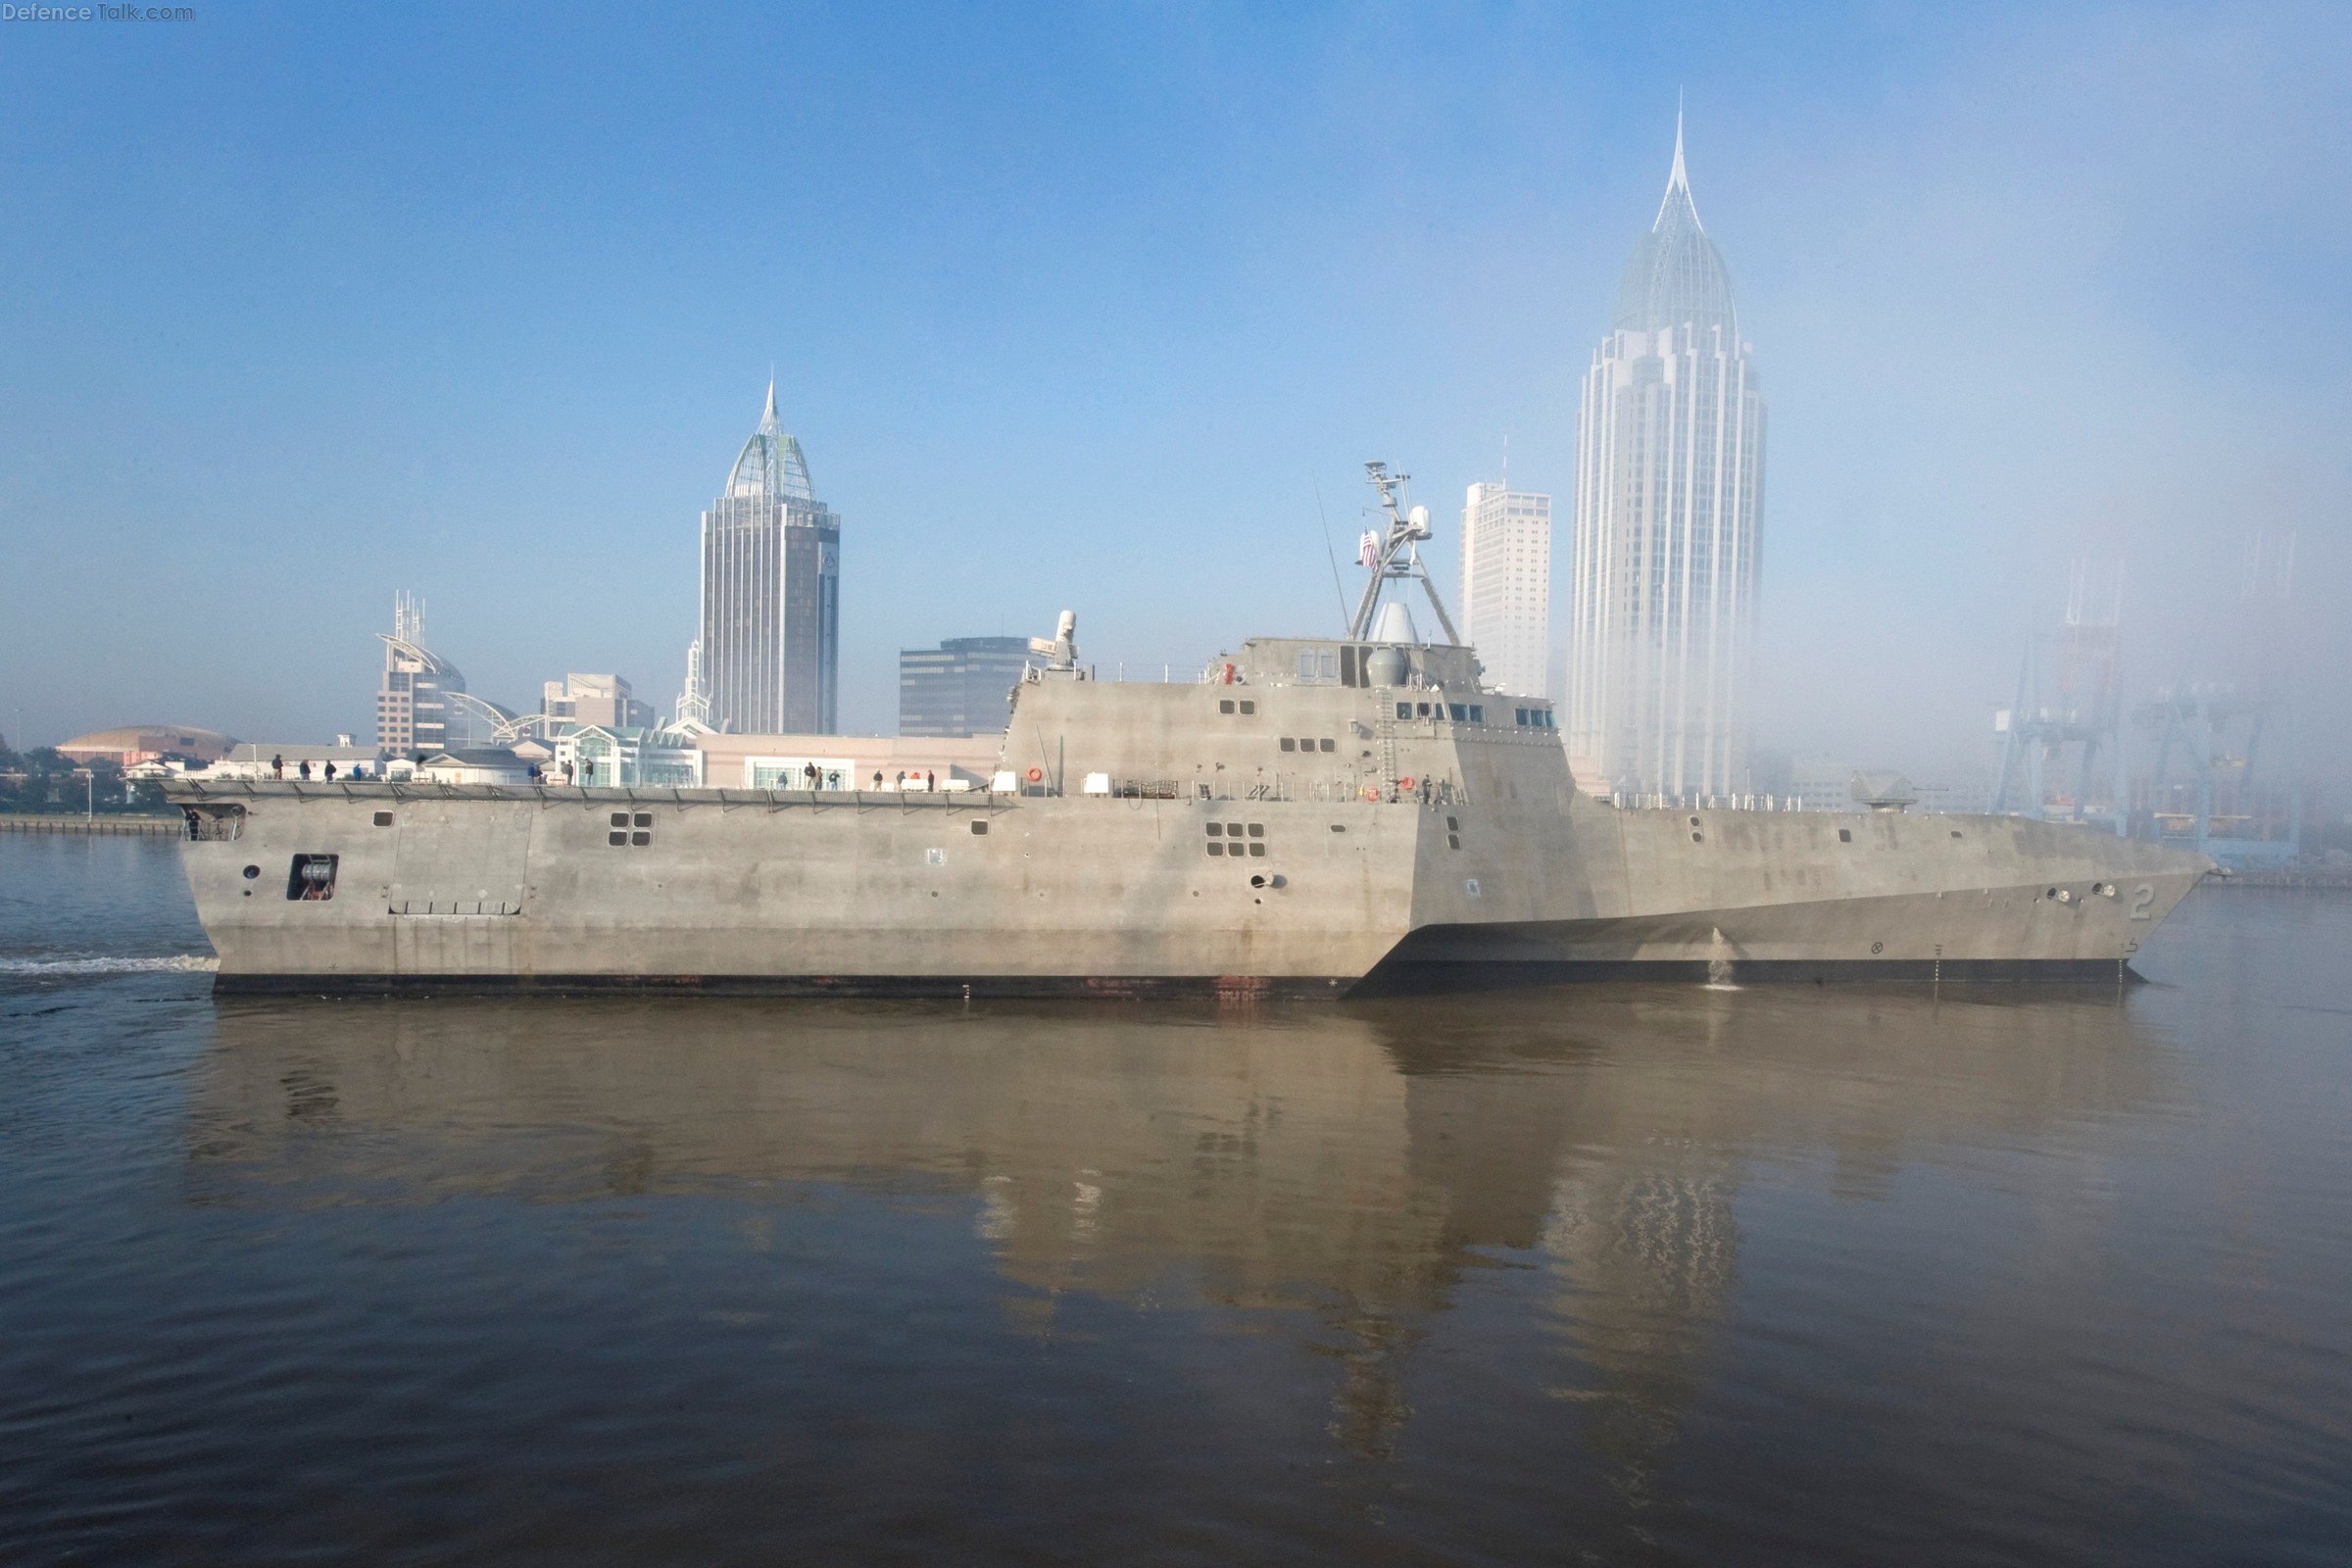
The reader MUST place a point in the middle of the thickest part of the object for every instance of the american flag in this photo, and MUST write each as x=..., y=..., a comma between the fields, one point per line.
x=1367, y=550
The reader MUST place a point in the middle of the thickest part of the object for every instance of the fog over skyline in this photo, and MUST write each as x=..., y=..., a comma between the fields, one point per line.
x=1095, y=308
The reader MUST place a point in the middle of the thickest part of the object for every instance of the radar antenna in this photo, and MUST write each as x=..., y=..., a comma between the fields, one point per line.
x=1394, y=555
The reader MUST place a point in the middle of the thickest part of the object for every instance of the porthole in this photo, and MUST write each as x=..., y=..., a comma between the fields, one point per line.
x=1338, y=827
x=1324, y=745
x=1258, y=849
x=1233, y=830
x=980, y=829
x=1217, y=847
x=620, y=819
x=1694, y=821
x=1257, y=830
x=1699, y=838
x=617, y=839
x=1453, y=824
x=1877, y=946
x=1226, y=706
x=252, y=871
x=1216, y=830
x=641, y=839
x=1249, y=706
x=645, y=819
x=383, y=820
x=1454, y=841
x=1845, y=835
x=1289, y=745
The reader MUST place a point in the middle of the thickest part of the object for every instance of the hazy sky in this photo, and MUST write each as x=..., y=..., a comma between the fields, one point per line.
x=1086, y=307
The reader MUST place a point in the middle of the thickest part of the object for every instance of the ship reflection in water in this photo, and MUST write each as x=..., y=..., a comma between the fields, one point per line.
x=1518, y=1223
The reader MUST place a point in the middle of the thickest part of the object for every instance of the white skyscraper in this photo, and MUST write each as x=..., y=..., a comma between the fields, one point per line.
x=1506, y=585
x=1669, y=494
x=765, y=662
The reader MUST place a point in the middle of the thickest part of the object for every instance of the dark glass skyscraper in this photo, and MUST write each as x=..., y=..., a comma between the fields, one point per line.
x=959, y=687
x=771, y=594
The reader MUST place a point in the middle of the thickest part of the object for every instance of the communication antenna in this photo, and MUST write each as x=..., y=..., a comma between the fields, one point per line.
x=1394, y=554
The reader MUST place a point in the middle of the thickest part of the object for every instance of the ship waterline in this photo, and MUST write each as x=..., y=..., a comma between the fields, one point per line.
x=1318, y=819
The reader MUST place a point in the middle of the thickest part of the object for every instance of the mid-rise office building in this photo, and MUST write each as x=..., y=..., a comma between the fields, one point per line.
x=1506, y=586
x=960, y=687
x=770, y=648
x=417, y=707
x=1669, y=501
x=606, y=700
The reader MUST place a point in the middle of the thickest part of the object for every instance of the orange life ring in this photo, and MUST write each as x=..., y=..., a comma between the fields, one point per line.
x=1036, y=774
x=1404, y=783
x=1371, y=794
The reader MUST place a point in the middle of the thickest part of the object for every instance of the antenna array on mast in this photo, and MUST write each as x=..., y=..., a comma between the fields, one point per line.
x=1394, y=554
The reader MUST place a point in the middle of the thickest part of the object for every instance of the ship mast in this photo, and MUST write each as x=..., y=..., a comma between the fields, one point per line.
x=1395, y=554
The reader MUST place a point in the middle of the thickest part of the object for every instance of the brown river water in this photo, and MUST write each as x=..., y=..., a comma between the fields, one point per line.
x=1637, y=1273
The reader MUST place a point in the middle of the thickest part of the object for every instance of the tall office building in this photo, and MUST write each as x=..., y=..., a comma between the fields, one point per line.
x=1669, y=495
x=414, y=708
x=959, y=687
x=771, y=593
x=1506, y=585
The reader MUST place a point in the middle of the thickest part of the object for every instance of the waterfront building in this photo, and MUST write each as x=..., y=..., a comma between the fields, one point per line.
x=260, y=760
x=1506, y=586
x=579, y=698
x=628, y=756
x=472, y=764
x=133, y=744
x=1669, y=500
x=770, y=592
x=960, y=687
x=420, y=705
x=847, y=761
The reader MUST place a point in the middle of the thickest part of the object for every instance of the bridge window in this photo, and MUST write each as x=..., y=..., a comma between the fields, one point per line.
x=1405, y=710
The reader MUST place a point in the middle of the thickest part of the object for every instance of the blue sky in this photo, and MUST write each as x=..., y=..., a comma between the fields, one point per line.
x=1094, y=305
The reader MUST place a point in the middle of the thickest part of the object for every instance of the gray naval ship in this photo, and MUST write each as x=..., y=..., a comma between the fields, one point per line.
x=1315, y=815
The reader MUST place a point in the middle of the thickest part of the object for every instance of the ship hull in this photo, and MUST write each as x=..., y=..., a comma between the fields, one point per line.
x=376, y=888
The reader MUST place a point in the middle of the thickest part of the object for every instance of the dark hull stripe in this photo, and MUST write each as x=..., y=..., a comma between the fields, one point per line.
x=1396, y=978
